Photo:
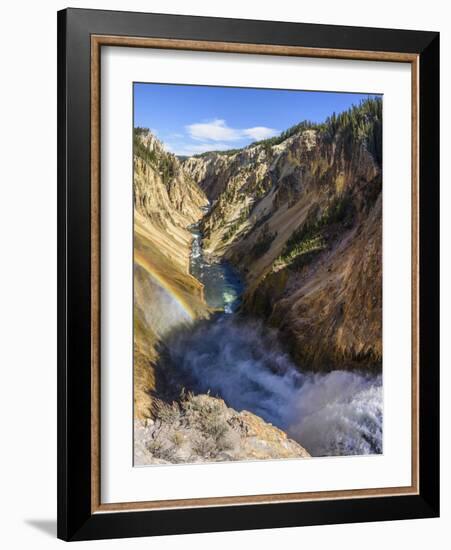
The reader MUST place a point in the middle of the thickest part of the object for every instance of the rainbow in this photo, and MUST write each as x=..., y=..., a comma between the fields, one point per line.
x=141, y=260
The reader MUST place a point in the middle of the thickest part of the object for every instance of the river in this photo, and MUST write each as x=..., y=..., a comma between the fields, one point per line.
x=242, y=361
x=222, y=284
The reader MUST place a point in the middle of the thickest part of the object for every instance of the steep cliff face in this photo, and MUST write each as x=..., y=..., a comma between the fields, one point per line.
x=301, y=218
x=213, y=172
x=166, y=199
x=166, y=202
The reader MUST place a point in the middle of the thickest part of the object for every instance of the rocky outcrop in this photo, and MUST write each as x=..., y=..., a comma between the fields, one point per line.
x=212, y=171
x=301, y=218
x=202, y=428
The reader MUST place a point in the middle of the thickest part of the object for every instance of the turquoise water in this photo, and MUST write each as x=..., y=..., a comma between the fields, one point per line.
x=222, y=284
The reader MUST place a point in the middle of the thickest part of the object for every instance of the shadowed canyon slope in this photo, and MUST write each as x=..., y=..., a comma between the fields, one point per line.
x=300, y=216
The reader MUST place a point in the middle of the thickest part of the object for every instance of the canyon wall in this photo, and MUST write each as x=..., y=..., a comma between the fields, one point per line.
x=300, y=216
x=166, y=202
x=171, y=427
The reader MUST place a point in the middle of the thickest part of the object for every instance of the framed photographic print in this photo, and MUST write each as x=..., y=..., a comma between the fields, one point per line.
x=248, y=274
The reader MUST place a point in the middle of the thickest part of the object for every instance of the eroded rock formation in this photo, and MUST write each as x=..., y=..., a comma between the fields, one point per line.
x=166, y=202
x=302, y=219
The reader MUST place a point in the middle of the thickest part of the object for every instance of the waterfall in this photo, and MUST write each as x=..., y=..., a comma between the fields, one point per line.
x=336, y=413
x=242, y=361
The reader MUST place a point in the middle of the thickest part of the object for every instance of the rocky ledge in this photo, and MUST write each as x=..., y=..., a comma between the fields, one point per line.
x=201, y=428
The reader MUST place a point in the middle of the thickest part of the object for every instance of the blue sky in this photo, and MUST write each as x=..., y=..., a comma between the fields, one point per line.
x=195, y=119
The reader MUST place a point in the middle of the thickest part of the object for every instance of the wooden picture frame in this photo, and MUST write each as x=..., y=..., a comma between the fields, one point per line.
x=81, y=35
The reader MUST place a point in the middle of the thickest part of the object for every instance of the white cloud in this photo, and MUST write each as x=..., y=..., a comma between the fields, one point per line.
x=201, y=147
x=214, y=135
x=217, y=130
x=189, y=149
x=259, y=132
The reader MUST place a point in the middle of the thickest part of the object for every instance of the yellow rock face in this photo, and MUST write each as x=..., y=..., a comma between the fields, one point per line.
x=165, y=294
x=326, y=294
